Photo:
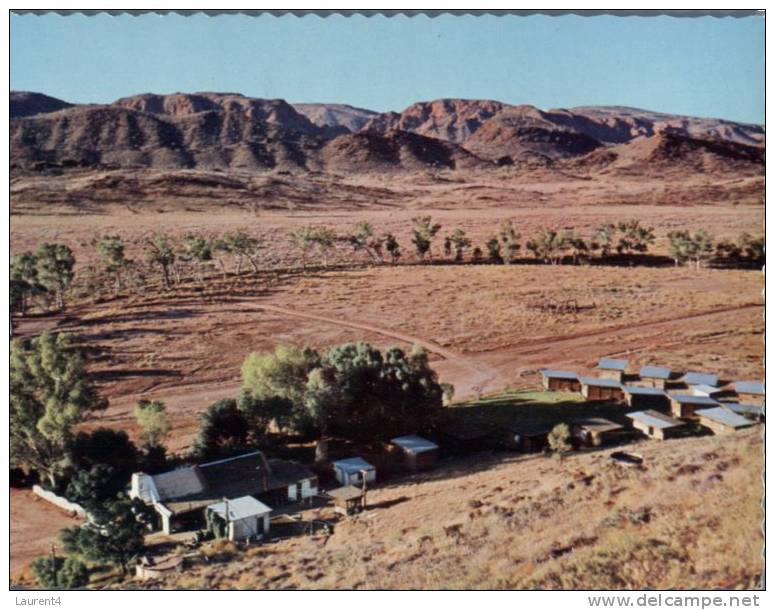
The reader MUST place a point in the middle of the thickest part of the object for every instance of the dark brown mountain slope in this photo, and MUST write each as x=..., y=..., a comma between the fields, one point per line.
x=27, y=103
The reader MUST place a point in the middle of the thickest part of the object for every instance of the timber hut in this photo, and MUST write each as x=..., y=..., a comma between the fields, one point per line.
x=639, y=397
x=529, y=437
x=354, y=470
x=611, y=368
x=722, y=420
x=683, y=406
x=706, y=390
x=694, y=378
x=655, y=376
x=754, y=412
x=418, y=453
x=560, y=381
x=595, y=388
x=348, y=499
x=750, y=391
x=655, y=425
x=594, y=431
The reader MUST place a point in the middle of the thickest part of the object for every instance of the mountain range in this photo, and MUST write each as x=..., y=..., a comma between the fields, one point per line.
x=230, y=131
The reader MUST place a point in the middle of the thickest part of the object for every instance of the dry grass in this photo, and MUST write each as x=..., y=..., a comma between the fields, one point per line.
x=533, y=522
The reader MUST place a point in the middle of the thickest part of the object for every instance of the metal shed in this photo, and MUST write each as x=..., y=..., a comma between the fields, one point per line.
x=755, y=412
x=706, y=390
x=750, y=390
x=245, y=517
x=352, y=470
x=418, y=452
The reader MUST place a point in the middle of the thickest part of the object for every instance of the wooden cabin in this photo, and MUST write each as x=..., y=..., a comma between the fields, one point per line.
x=595, y=388
x=695, y=378
x=655, y=425
x=560, y=381
x=751, y=392
x=639, y=397
x=612, y=368
x=595, y=431
x=752, y=412
x=722, y=420
x=654, y=376
x=683, y=406
x=348, y=500
x=529, y=437
x=418, y=453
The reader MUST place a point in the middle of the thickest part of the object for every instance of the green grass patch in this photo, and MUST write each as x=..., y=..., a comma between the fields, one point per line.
x=539, y=408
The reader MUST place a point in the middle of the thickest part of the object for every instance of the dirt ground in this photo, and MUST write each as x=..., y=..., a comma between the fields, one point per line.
x=482, y=324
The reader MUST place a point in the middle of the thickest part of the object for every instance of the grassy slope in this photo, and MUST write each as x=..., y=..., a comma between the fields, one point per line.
x=690, y=519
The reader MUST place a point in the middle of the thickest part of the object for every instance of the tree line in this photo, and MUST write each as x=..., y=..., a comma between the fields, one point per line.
x=43, y=278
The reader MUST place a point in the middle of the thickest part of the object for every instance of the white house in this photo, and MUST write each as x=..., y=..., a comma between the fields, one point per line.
x=246, y=517
x=351, y=471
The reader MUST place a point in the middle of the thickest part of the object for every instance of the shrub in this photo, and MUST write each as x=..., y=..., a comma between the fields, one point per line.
x=60, y=573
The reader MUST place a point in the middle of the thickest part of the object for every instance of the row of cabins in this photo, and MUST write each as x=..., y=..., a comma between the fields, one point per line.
x=241, y=490
x=701, y=401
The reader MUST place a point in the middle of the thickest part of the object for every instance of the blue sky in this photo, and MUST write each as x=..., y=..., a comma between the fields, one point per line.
x=701, y=66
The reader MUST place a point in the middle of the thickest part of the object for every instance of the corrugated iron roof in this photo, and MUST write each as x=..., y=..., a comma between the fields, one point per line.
x=635, y=389
x=749, y=387
x=706, y=390
x=654, y=372
x=552, y=374
x=694, y=378
x=612, y=364
x=690, y=399
x=352, y=465
x=724, y=416
x=414, y=444
x=600, y=383
x=240, y=508
x=744, y=408
x=655, y=419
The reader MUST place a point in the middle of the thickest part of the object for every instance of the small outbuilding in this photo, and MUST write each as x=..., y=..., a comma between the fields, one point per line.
x=655, y=424
x=706, y=390
x=245, y=517
x=722, y=420
x=684, y=405
x=529, y=437
x=595, y=431
x=639, y=397
x=694, y=378
x=754, y=412
x=353, y=471
x=595, y=388
x=560, y=381
x=418, y=453
x=751, y=391
x=612, y=368
x=348, y=500
x=655, y=376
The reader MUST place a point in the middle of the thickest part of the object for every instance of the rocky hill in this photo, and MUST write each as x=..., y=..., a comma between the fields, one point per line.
x=230, y=131
x=341, y=117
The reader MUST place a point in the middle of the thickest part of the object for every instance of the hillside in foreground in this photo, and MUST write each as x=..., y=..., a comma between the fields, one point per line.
x=690, y=519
